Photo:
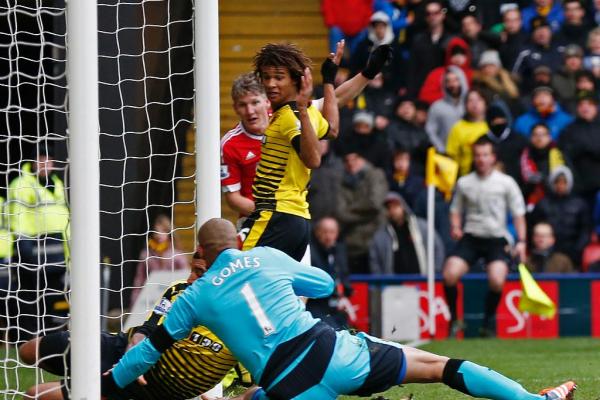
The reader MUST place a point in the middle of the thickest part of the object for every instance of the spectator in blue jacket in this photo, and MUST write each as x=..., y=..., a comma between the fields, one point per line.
x=550, y=9
x=546, y=110
x=398, y=14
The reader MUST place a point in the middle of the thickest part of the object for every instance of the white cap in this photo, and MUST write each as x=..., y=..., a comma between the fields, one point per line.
x=508, y=7
x=490, y=57
x=364, y=117
x=380, y=16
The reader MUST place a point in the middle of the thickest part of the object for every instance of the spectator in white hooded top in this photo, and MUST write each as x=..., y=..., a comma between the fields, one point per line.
x=444, y=113
x=379, y=33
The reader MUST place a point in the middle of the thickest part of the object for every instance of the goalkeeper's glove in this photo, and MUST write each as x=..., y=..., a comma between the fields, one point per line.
x=378, y=58
x=328, y=71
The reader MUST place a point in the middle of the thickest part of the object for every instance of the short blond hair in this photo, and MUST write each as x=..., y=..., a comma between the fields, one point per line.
x=246, y=84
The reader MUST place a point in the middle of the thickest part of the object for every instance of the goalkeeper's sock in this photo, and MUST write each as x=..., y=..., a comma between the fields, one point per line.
x=478, y=381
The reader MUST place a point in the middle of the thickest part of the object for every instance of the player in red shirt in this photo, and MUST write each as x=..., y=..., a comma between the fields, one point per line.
x=240, y=147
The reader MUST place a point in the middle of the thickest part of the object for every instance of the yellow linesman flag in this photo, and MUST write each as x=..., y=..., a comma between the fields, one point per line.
x=534, y=300
x=441, y=172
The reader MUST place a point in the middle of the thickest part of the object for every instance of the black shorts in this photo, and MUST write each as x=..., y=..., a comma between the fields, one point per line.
x=286, y=232
x=472, y=249
x=55, y=354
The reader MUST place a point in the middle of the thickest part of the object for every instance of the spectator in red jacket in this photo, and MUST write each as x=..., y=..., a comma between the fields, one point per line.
x=457, y=54
x=346, y=19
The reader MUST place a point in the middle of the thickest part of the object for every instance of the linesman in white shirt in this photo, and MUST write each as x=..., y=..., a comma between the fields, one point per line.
x=478, y=217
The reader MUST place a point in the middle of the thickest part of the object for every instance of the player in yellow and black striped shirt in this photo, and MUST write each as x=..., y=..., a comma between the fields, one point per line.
x=290, y=148
x=188, y=368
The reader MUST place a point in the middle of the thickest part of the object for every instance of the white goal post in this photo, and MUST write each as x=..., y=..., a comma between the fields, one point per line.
x=84, y=136
x=82, y=30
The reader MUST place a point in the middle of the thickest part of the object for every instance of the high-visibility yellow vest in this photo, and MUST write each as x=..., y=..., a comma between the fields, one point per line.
x=6, y=240
x=33, y=209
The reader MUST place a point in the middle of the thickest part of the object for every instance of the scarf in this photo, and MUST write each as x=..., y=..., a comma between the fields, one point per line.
x=544, y=11
x=531, y=173
x=158, y=247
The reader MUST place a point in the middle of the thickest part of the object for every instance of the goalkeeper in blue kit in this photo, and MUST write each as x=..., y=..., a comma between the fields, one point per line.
x=249, y=299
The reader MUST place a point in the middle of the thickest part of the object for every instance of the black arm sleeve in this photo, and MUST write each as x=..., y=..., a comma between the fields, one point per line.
x=160, y=339
x=296, y=143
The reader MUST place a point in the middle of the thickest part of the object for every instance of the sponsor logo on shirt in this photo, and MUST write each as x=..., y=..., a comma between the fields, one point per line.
x=224, y=172
x=250, y=155
x=163, y=307
x=205, y=342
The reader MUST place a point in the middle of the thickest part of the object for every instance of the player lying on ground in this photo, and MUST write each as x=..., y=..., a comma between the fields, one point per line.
x=189, y=367
x=250, y=300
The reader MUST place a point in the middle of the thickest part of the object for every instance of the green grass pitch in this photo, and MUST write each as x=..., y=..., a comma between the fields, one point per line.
x=535, y=364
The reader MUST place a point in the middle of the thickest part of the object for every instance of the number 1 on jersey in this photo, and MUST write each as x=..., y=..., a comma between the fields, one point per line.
x=257, y=310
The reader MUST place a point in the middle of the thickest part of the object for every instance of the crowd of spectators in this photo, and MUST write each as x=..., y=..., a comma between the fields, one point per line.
x=522, y=74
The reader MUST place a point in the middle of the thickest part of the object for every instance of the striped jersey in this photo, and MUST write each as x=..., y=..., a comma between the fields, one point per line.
x=240, y=152
x=281, y=177
x=192, y=365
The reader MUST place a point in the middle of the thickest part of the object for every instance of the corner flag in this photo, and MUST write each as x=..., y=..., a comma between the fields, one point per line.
x=534, y=300
x=441, y=171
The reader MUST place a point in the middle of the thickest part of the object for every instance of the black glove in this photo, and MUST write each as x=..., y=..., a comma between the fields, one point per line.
x=110, y=390
x=378, y=58
x=328, y=71
x=108, y=384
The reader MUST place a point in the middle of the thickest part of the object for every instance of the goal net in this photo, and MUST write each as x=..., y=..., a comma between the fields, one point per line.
x=147, y=200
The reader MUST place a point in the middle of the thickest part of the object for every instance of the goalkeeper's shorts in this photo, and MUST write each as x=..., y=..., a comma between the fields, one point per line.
x=360, y=365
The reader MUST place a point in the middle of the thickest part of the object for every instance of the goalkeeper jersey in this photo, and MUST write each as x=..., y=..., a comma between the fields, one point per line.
x=249, y=299
x=192, y=365
x=281, y=177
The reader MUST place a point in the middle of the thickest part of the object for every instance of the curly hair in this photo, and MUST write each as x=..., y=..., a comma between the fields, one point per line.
x=246, y=84
x=282, y=55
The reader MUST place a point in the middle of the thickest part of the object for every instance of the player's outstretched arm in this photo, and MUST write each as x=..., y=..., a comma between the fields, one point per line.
x=355, y=85
x=330, y=103
x=311, y=282
x=139, y=359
